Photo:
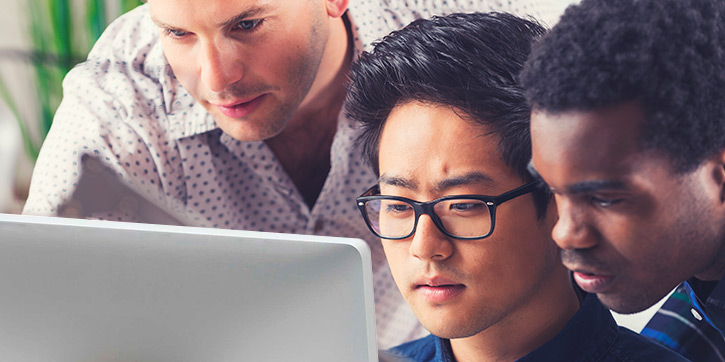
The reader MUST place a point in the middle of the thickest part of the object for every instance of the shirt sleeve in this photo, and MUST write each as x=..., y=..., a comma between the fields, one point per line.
x=112, y=110
x=92, y=120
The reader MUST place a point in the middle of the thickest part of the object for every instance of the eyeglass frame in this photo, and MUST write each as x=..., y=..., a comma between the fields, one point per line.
x=427, y=208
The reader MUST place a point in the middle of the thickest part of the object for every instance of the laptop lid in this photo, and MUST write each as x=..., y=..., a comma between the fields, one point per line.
x=85, y=290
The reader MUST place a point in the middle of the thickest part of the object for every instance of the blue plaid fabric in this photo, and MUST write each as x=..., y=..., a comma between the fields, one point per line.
x=684, y=325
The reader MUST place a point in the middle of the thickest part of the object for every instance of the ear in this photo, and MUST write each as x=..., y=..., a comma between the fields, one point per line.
x=335, y=8
x=719, y=173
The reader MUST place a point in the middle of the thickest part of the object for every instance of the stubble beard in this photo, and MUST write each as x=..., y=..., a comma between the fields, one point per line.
x=301, y=76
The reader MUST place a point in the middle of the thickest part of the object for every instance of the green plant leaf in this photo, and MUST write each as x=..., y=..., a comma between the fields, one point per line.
x=31, y=147
x=95, y=20
x=57, y=45
x=61, y=26
x=127, y=5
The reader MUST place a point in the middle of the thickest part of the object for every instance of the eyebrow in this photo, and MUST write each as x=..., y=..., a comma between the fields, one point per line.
x=254, y=11
x=584, y=186
x=397, y=181
x=467, y=179
x=160, y=23
x=249, y=13
x=595, y=185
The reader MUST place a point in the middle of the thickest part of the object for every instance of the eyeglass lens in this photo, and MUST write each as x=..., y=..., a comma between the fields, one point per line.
x=467, y=218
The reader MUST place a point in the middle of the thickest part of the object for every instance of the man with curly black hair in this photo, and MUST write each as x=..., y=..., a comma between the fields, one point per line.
x=628, y=131
x=445, y=126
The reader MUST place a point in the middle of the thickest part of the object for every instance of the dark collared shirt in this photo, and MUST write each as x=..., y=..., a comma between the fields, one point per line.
x=713, y=295
x=591, y=335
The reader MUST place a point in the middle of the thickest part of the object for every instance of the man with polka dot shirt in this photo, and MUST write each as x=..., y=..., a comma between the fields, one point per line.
x=231, y=112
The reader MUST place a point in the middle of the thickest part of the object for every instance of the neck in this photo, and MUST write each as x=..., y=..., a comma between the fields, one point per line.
x=325, y=98
x=303, y=147
x=716, y=269
x=524, y=329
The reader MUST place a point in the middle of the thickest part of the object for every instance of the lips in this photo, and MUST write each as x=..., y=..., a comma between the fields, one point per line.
x=240, y=109
x=438, y=290
x=592, y=274
x=592, y=282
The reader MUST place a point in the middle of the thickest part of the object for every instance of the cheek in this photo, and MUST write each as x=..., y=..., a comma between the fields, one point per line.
x=521, y=253
x=513, y=262
x=636, y=233
x=661, y=240
x=626, y=237
x=300, y=66
x=525, y=234
x=277, y=50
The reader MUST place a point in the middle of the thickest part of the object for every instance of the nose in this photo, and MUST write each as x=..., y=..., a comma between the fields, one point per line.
x=571, y=230
x=220, y=65
x=429, y=243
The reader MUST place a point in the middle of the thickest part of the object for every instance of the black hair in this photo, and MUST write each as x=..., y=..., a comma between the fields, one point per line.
x=469, y=62
x=667, y=55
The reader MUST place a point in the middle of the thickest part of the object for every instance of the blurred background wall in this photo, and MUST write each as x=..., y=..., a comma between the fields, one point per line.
x=41, y=40
x=12, y=165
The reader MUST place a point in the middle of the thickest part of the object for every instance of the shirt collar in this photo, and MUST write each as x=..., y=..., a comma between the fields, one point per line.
x=708, y=297
x=444, y=353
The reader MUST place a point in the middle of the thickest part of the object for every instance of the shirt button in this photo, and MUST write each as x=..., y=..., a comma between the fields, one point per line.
x=318, y=226
x=696, y=314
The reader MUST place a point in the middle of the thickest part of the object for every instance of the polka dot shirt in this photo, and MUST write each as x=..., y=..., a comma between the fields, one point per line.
x=125, y=107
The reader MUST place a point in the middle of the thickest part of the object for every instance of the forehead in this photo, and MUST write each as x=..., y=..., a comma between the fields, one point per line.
x=427, y=126
x=586, y=144
x=208, y=12
x=425, y=119
x=430, y=141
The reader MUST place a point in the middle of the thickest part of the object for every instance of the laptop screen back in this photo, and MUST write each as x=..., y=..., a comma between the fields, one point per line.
x=80, y=290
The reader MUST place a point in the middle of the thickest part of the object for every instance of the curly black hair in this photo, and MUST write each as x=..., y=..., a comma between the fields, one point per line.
x=668, y=55
x=469, y=62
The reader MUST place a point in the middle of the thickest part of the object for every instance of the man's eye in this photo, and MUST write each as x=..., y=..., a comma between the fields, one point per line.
x=247, y=25
x=602, y=202
x=398, y=208
x=467, y=206
x=175, y=33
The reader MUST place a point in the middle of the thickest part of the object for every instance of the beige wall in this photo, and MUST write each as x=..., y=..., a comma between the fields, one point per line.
x=14, y=169
x=12, y=27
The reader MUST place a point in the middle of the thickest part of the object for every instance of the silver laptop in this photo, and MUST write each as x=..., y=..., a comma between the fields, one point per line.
x=100, y=291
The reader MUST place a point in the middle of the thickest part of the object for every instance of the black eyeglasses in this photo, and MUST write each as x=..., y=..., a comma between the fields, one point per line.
x=465, y=217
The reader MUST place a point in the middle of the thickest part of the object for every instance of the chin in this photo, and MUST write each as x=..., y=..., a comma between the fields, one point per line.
x=247, y=131
x=628, y=304
x=250, y=136
x=449, y=328
x=258, y=126
x=453, y=332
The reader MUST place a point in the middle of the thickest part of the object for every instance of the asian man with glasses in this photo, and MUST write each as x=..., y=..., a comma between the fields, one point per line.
x=466, y=230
